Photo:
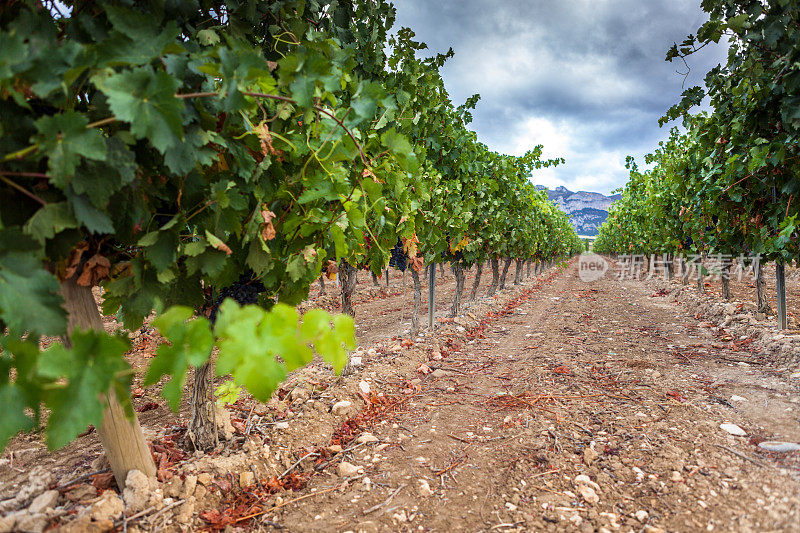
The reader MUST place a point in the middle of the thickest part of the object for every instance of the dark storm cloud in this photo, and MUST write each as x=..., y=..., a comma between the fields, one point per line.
x=586, y=78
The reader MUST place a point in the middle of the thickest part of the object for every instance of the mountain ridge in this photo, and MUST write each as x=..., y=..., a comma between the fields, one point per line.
x=587, y=210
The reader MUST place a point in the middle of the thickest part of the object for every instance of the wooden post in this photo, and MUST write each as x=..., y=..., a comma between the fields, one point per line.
x=122, y=438
x=431, y=293
x=458, y=274
x=780, y=282
x=417, y=301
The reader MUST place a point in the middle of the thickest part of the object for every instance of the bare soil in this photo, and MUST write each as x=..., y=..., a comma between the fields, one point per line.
x=556, y=405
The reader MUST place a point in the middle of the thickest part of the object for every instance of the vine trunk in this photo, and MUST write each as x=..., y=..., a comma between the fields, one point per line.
x=121, y=437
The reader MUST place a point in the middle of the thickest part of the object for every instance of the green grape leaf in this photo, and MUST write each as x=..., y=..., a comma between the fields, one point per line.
x=14, y=419
x=342, y=336
x=50, y=220
x=100, y=180
x=65, y=139
x=296, y=267
x=207, y=37
x=339, y=241
x=88, y=368
x=365, y=101
x=258, y=347
x=396, y=142
x=247, y=348
x=145, y=98
x=90, y=217
x=163, y=251
x=329, y=341
x=29, y=297
x=190, y=344
x=227, y=393
x=139, y=38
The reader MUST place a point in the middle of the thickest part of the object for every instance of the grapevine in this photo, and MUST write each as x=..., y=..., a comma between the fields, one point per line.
x=726, y=184
x=239, y=148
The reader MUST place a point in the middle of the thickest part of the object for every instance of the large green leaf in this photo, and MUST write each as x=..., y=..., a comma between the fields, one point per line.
x=14, y=418
x=145, y=98
x=29, y=297
x=88, y=369
x=258, y=347
x=190, y=344
x=66, y=139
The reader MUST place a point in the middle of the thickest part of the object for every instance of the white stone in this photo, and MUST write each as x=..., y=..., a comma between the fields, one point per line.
x=31, y=523
x=366, y=438
x=588, y=494
x=43, y=501
x=733, y=429
x=189, y=484
x=108, y=507
x=7, y=523
x=584, y=480
x=510, y=506
x=364, y=387
x=346, y=469
x=642, y=515
x=589, y=455
x=777, y=446
x=342, y=407
x=424, y=488
x=137, y=491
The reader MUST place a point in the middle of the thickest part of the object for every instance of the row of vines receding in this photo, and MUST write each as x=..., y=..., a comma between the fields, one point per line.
x=204, y=161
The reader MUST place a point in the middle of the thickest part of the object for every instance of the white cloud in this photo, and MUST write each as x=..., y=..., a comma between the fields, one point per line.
x=587, y=167
x=585, y=78
x=556, y=138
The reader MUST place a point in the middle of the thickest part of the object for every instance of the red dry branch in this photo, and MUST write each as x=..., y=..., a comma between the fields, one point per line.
x=167, y=454
x=242, y=505
x=377, y=408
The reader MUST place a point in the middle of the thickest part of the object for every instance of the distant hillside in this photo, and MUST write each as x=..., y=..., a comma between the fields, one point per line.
x=587, y=210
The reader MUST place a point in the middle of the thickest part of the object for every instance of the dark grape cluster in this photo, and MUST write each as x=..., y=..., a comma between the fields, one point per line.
x=399, y=259
x=447, y=255
x=245, y=291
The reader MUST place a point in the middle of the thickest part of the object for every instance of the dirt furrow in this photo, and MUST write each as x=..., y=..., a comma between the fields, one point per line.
x=558, y=405
x=581, y=410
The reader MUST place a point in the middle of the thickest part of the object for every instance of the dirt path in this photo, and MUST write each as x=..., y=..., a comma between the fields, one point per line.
x=558, y=405
x=601, y=380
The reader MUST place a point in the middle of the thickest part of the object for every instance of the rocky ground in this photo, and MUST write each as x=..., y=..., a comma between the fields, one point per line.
x=557, y=405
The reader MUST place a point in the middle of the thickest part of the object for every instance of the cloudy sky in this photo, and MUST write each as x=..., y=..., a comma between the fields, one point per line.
x=585, y=78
